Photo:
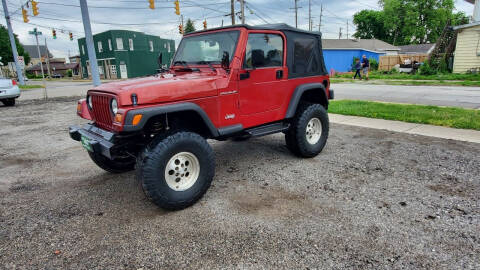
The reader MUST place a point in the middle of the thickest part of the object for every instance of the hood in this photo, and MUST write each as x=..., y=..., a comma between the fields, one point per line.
x=163, y=88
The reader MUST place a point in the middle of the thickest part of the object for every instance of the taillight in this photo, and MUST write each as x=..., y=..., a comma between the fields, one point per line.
x=14, y=82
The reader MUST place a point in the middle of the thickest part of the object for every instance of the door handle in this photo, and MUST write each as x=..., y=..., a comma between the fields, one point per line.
x=279, y=74
x=244, y=76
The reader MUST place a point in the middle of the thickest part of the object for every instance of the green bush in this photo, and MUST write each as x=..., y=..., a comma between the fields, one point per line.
x=427, y=70
x=373, y=64
x=69, y=73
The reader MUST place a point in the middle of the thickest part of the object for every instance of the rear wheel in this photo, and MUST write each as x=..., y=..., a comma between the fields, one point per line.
x=118, y=165
x=175, y=172
x=8, y=102
x=308, y=133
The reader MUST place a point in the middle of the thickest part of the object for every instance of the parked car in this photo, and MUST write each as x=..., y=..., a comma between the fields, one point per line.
x=57, y=76
x=231, y=82
x=9, y=91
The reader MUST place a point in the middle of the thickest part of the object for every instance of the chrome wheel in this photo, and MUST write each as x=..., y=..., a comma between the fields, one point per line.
x=182, y=171
x=313, y=131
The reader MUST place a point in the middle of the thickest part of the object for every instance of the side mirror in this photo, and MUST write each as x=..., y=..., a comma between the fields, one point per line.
x=226, y=60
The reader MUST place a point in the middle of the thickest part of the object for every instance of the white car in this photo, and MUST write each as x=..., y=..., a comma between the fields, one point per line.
x=9, y=91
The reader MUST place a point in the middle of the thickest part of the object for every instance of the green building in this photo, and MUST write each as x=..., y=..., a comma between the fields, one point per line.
x=126, y=54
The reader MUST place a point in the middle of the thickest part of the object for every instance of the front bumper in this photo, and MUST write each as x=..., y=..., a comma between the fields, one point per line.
x=101, y=141
x=13, y=92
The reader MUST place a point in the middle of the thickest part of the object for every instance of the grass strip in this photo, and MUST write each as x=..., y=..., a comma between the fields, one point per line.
x=409, y=82
x=29, y=86
x=422, y=114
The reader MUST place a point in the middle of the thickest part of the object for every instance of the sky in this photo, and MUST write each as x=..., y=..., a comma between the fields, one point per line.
x=65, y=17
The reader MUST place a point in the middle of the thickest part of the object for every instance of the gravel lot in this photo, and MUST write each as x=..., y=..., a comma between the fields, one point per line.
x=372, y=200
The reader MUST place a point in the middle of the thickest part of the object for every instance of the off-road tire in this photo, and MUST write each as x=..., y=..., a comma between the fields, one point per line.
x=113, y=166
x=153, y=161
x=8, y=102
x=296, y=135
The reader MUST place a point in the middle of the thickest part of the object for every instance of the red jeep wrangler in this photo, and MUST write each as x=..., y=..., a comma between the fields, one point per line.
x=232, y=82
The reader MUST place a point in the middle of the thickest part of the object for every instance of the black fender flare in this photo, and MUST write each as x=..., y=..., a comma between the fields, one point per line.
x=297, y=95
x=164, y=109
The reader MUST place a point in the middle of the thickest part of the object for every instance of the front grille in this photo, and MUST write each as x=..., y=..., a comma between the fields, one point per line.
x=101, y=113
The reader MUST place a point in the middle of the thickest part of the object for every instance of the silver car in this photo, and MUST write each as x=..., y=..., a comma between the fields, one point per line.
x=9, y=91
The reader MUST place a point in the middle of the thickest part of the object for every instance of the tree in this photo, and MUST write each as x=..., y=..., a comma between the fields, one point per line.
x=402, y=22
x=189, y=27
x=369, y=25
x=6, y=49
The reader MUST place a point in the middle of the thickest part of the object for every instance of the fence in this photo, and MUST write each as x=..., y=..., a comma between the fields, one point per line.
x=387, y=62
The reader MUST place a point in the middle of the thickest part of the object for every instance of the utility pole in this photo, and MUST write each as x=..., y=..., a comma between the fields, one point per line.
x=36, y=34
x=347, y=29
x=48, y=59
x=242, y=9
x=296, y=14
x=232, y=8
x=321, y=15
x=309, y=15
x=340, y=33
x=92, y=57
x=12, y=44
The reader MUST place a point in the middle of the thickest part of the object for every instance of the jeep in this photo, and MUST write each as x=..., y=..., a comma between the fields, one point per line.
x=233, y=82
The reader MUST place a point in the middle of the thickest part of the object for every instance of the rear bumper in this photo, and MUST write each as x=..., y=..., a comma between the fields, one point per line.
x=13, y=92
x=101, y=141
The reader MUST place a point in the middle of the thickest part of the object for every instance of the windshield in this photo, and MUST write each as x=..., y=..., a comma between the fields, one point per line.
x=207, y=48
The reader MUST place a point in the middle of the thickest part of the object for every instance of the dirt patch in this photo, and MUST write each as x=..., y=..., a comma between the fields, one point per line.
x=276, y=202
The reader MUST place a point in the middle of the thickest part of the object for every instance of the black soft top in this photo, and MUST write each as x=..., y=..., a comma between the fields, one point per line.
x=304, y=48
x=275, y=26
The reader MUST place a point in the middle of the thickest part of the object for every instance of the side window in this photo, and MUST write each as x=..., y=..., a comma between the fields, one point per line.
x=99, y=45
x=264, y=50
x=305, y=57
x=110, y=44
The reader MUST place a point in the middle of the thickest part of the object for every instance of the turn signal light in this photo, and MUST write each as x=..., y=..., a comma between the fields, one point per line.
x=79, y=108
x=118, y=118
x=136, y=119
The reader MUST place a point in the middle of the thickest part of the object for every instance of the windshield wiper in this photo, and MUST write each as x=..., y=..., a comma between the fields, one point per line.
x=207, y=63
x=183, y=63
x=185, y=66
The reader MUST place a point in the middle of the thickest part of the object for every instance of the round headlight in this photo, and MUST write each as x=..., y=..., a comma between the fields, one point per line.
x=114, y=106
x=89, y=102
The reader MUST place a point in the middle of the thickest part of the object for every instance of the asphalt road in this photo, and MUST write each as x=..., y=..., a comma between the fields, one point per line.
x=457, y=96
x=467, y=97
x=372, y=200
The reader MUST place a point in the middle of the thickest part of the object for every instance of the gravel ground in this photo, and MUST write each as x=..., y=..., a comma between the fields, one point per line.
x=372, y=200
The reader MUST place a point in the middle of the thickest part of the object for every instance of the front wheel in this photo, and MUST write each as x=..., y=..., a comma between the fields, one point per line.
x=308, y=133
x=177, y=171
x=8, y=102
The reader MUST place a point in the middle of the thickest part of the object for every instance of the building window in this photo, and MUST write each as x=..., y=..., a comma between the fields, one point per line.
x=151, y=45
x=100, y=48
x=110, y=44
x=168, y=47
x=130, y=44
x=83, y=49
x=119, y=43
x=113, y=69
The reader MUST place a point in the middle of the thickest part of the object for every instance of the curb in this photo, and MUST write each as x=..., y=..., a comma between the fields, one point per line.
x=465, y=135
